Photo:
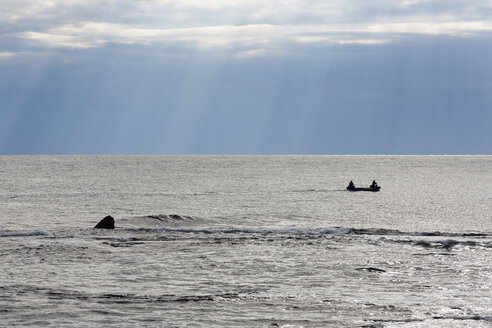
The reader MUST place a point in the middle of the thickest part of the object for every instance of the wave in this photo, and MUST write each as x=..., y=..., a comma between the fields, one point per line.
x=446, y=244
x=183, y=224
x=394, y=232
x=24, y=233
x=292, y=231
x=126, y=298
x=470, y=317
x=154, y=220
x=310, y=231
x=448, y=241
x=169, y=217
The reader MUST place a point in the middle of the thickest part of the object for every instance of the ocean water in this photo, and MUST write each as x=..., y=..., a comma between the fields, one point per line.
x=246, y=241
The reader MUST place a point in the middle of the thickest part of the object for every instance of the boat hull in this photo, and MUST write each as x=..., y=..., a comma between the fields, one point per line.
x=363, y=189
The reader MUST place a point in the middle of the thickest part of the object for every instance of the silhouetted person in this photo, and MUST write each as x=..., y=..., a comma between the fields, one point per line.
x=373, y=184
x=351, y=184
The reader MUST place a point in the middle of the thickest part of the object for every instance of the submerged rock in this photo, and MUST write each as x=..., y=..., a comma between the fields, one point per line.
x=106, y=223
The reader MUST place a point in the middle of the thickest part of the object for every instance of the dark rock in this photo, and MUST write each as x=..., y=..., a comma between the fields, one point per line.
x=106, y=223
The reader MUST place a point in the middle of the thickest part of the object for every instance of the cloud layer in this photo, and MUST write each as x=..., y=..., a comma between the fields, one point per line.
x=248, y=28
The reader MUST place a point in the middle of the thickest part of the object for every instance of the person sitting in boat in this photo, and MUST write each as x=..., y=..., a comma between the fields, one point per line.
x=351, y=184
x=373, y=185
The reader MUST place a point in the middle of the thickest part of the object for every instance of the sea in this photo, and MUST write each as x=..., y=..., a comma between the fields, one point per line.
x=246, y=241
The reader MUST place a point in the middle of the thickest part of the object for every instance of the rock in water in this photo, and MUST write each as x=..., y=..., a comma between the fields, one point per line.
x=106, y=223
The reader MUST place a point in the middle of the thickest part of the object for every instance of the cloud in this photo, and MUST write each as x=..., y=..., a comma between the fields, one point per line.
x=13, y=10
x=61, y=40
x=362, y=41
x=413, y=2
x=93, y=34
x=252, y=53
x=430, y=28
x=238, y=12
x=6, y=55
x=342, y=39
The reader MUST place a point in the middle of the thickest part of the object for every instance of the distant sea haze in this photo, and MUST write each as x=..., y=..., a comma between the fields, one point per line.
x=246, y=241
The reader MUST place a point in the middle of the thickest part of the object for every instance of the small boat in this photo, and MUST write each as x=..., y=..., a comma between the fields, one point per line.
x=350, y=188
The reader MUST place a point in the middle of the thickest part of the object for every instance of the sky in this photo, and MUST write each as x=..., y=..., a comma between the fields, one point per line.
x=246, y=77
